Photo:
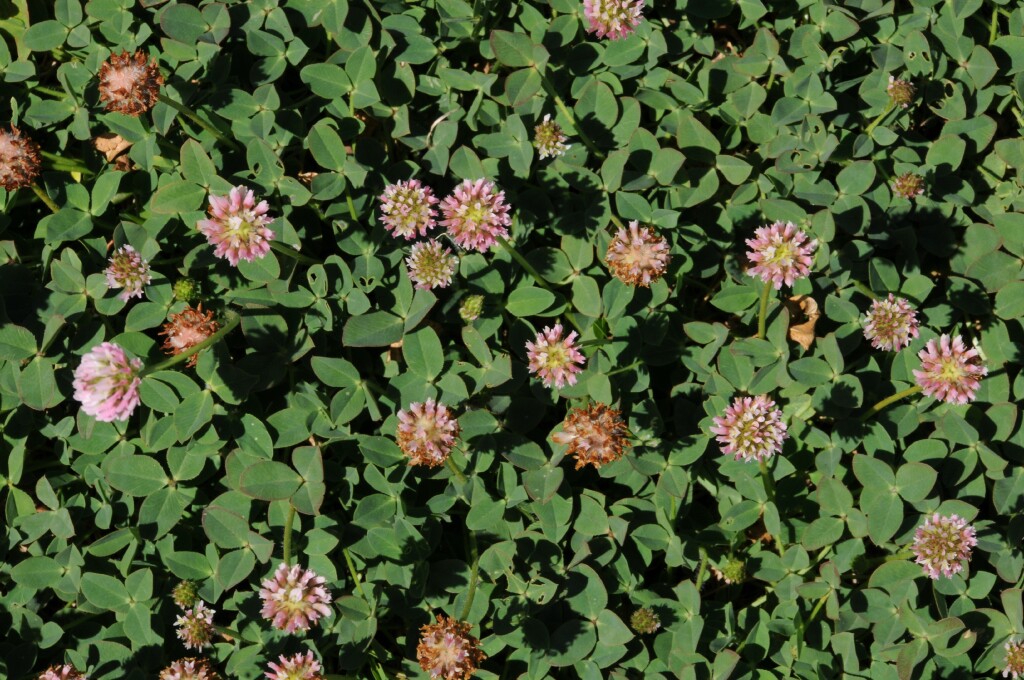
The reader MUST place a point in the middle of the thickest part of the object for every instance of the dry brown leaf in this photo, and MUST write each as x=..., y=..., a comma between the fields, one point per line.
x=803, y=315
x=111, y=146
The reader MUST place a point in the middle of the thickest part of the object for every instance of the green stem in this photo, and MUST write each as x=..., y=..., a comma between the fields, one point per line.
x=703, y=568
x=910, y=391
x=455, y=469
x=474, y=575
x=355, y=575
x=194, y=117
x=50, y=91
x=940, y=602
x=288, y=251
x=522, y=262
x=288, y=523
x=994, y=25
x=878, y=120
x=864, y=290
x=62, y=163
x=762, y=316
x=45, y=198
x=233, y=320
x=227, y=632
x=584, y=137
x=769, y=490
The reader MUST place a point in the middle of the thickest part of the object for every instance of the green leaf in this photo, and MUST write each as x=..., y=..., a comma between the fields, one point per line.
x=105, y=592
x=326, y=146
x=177, y=196
x=45, y=36
x=376, y=329
x=184, y=23
x=37, y=572
x=529, y=300
x=136, y=475
x=269, y=480
x=423, y=353
x=512, y=49
x=914, y=481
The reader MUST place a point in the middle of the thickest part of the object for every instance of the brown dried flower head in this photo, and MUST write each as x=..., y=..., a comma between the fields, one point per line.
x=596, y=435
x=19, y=159
x=187, y=329
x=447, y=650
x=130, y=83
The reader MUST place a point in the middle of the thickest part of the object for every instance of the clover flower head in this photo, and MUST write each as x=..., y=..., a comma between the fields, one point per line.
x=126, y=269
x=427, y=433
x=908, y=185
x=186, y=329
x=751, y=429
x=107, y=383
x=555, y=359
x=294, y=598
x=130, y=83
x=949, y=371
x=189, y=668
x=549, y=138
x=186, y=594
x=19, y=159
x=195, y=626
x=1014, y=659
x=296, y=667
x=447, y=650
x=942, y=544
x=639, y=256
x=471, y=308
x=476, y=215
x=734, y=571
x=62, y=672
x=186, y=290
x=431, y=265
x=407, y=209
x=595, y=434
x=890, y=324
x=900, y=91
x=780, y=254
x=645, y=621
x=613, y=19
x=237, y=226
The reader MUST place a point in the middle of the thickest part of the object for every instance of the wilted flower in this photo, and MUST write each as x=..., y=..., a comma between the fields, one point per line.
x=890, y=324
x=431, y=265
x=779, y=254
x=107, y=383
x=549, y=138
x=476, y=215
x=189, y=669
x=19, y=160
x=942, y=544
x=613, y=18
x=645, y=620
x=195, y=626
x=186, y=290
x=296, y=667
x=130, y=83
x=407, y=209
x=595, y=434
x=637, y=257
x=555, y=359
x=64, y=672
x=901, y=91
x=447, y=650
x=751, y=428
x=908, y=185
x=471, y=307
x=293, y=598
x=1014, y=659
x=237, y=227
x=186, y=594
x=126, y=269
x=427, y=433
x=949, y=371
x=187, y=329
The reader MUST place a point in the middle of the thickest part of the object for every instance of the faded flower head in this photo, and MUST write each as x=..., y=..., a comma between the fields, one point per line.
x=431, y=265
x=901, y=91
x=780, y=254
x=595, y=434
x=471, y=307
x=949, y=371
x=195, y=626
x=427, y=433
x=447, y=650
x=293, y=598
x=1014, y=659
x=549, y=138
x=186, y=290
x=555, y=359
x=645, y=620
x=942, y=544
x=890, y=324
x=186, y=594
x=750, y=429
x=189, y=669
x=407, y=209
x=130, y=83
x=19, y=159
x=296, y=667
x=237, y=227
x=613, y=19
x=107, y=383
x=639, y=256
x=126, y=269
x=187, y=329
x=908, y=185
x=63, y=672
x=476, y=215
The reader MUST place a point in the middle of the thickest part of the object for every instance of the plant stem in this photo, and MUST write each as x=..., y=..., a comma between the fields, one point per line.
x=940, y=602
x=45, y=198
x=288, y=523
x=455, y=469
x=864, y=290
x=910, y=391
x=522, y=262
x=355, y=575
x=227, y=632
x=994, y=25
x=233, y=320
x=878, y=120
x=194, y=117
x=584, y=137
x=474, y=575
x=762, y=316
x=702, y=568
x=288, y=251
x=769, y=490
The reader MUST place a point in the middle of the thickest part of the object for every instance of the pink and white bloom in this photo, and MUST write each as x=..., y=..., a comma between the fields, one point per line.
x=1014, y=659
x=431, y=265
x=549, y=138
x=780, y=254
x=555, y=359
x=613, y=19
x=107, y=383
x=296, y=667
x=448, y=651
x=942, y=544
x=890, y=324
x=476, y=215
x=949, y=371
x=237, y=227
x=294, y=598
x=195, y=626
x=751, y=429
x=189, y=669
x=639, y=256
x=64, y=672
x=427, y=433
x=126, y=269
x=407, y=209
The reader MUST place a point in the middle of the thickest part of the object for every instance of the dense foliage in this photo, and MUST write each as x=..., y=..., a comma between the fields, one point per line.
x=600, y=451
